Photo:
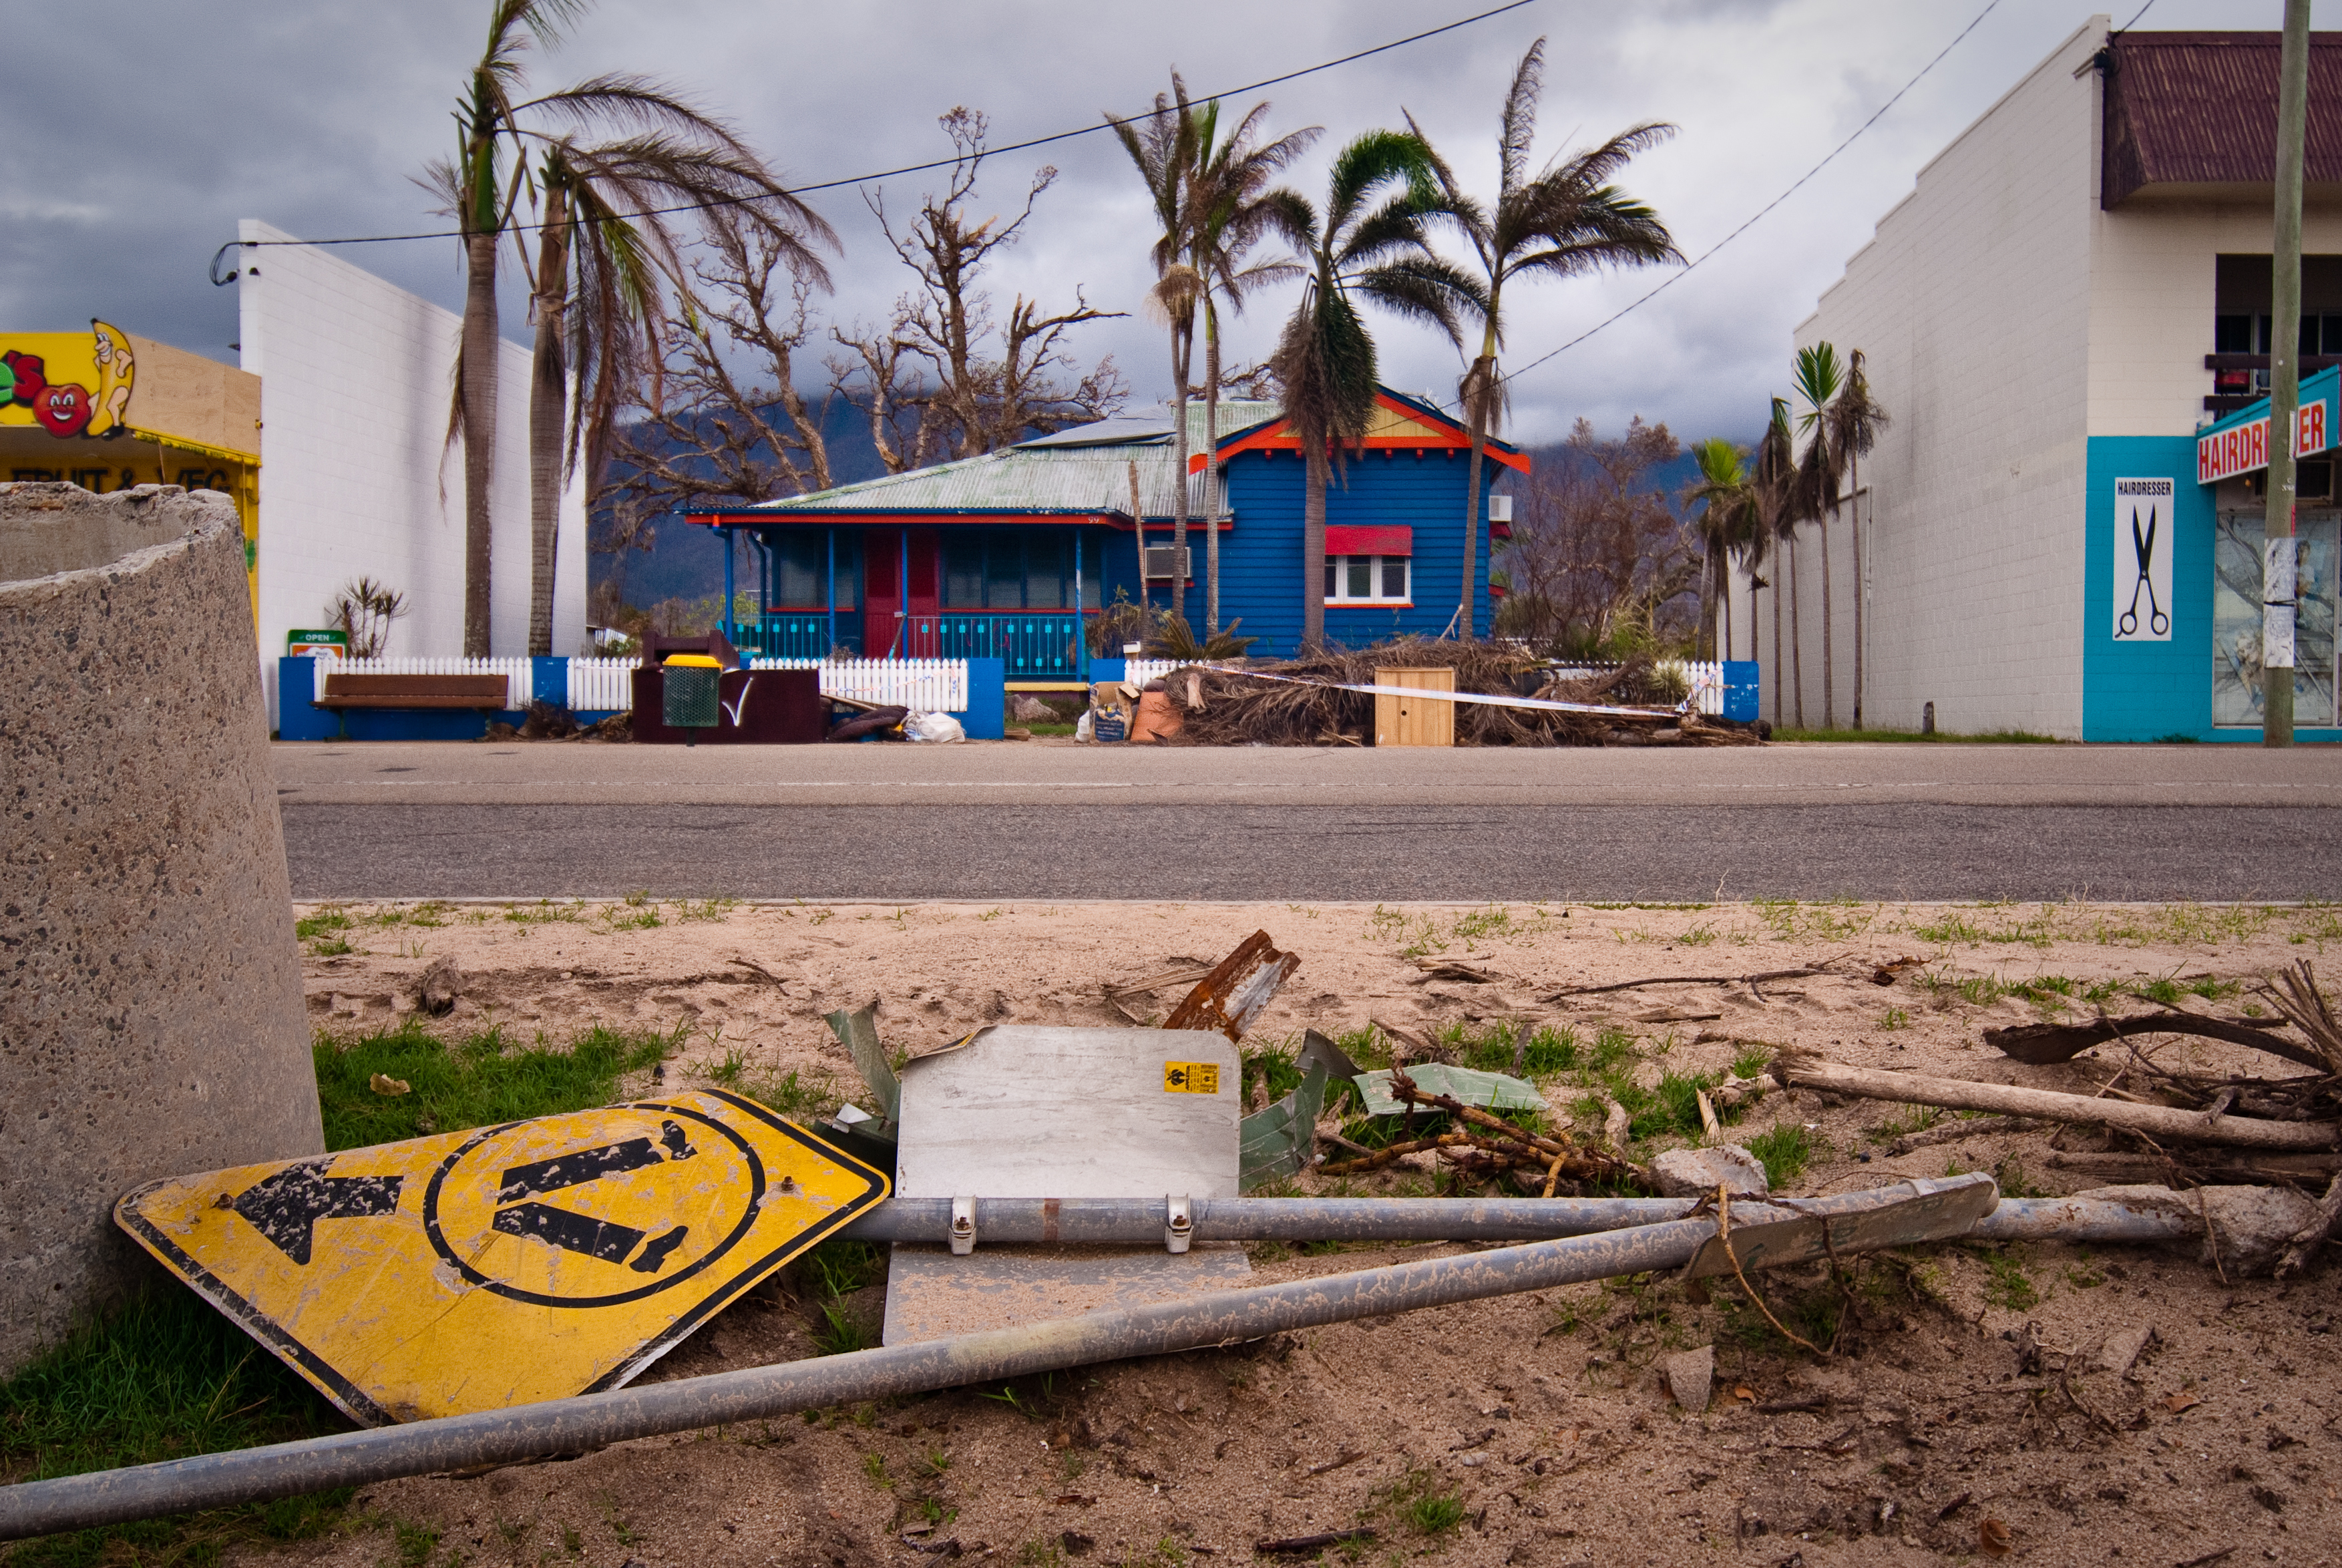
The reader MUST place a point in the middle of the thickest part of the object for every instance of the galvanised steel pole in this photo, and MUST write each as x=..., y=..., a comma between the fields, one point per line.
x=2279, y=570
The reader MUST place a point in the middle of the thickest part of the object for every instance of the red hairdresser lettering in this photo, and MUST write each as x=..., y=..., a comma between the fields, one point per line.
x=2244, y=448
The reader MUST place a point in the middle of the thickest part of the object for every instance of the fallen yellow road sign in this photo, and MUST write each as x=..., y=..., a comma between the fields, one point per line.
x=502, y=1266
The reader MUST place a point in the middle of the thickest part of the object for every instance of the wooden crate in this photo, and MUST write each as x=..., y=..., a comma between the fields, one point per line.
x=1408, y=722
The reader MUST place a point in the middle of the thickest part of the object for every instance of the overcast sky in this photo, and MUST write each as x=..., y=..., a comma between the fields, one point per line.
x=144, y=130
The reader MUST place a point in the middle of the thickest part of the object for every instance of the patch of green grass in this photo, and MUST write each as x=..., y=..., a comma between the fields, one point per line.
x=1422, y=1502
x=310, y=927
x=415, y=1544
x=164, y=1377
x=1785, y=1149
x=1791, y=919
x=2009, y=1177
x=792, y=1097
x=1894, y=1018
x=727, y=1071
x=1273, y=1065
x=1040, y=1553
x=1700, y=935
x=835, y=1270
x=2006, y=1284
x=546, y=912
x=1751, y=1060
x=874, y=1465
x=475, y=1081
x=705, y=909
x=1908, y=1119
x=2166, y=992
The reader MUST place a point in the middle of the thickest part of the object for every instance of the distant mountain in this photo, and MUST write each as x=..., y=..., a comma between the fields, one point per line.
x=686, y=561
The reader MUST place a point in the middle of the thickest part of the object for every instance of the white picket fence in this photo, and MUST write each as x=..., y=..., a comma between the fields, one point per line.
x=515, y=670
x=1704, y=677
x=928, y=685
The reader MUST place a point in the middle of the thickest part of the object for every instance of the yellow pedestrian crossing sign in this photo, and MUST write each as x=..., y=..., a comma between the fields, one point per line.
x=502, y=1266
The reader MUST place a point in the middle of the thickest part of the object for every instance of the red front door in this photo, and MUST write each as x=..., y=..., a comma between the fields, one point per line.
x=893, y=558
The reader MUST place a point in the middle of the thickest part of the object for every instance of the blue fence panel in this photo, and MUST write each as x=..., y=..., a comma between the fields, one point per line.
x=1029, y=647
x=799, y=636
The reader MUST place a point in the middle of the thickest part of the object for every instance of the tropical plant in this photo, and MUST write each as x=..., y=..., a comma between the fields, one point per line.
x=1856, y=418
x=1728, y=527
x=1819, y=377
x=364, y=610
x=1774, y=474
x=1566, y=220
x=1229, y=210
x=1163, y=152
x=1369, y=246
x=607, y=257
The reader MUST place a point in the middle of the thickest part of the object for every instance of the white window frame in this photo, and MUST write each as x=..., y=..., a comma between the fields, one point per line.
x=1338, y=594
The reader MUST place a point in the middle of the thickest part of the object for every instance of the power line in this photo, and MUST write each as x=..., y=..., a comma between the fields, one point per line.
x=2134, y=21
x=911, y=168
x=1674, y=278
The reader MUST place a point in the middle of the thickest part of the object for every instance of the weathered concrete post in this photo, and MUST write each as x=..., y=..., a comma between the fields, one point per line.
x=151, y=1018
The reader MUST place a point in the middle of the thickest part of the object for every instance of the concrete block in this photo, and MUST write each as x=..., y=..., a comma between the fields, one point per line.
x=1695, y=1173
x=151, y=1019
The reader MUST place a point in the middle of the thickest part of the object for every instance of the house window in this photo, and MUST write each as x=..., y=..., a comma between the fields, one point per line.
x=798, y=561
x=1007, y=569
x=1366, y=579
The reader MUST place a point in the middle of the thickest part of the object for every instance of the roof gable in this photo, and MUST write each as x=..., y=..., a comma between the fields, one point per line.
x=1398, y=423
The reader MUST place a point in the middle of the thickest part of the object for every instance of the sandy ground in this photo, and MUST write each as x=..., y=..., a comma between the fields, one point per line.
x=1543, y=1413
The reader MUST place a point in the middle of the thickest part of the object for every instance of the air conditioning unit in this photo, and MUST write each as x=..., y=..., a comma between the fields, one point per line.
x=1162, y=558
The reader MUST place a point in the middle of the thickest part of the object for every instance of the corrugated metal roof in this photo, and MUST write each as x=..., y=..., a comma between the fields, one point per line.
x=2200, y=108
x=1053, y=474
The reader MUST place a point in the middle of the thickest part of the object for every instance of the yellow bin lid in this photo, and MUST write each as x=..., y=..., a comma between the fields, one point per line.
x=692, y=662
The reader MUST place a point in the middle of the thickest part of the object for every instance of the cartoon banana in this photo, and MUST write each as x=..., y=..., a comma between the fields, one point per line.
x=114, y=370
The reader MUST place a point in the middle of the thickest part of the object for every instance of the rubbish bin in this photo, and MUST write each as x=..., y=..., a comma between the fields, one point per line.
x=687, y=691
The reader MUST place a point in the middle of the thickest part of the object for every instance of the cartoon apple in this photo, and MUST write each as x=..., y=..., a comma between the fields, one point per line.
x=30, y=372
x=62, y=410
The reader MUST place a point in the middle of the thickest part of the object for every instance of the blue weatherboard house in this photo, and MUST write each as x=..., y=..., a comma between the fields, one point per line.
x=1003, y=555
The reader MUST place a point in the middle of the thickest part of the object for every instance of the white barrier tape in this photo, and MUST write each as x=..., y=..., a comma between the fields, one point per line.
x=1487, y=699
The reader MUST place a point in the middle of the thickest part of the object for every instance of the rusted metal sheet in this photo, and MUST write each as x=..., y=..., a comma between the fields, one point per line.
x=2200, y=108
x=504, y=1266
x=1230, y=997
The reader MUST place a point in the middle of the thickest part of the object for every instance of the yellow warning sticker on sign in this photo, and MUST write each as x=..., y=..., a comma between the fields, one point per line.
x=502, y=1266
x=1191, y=1077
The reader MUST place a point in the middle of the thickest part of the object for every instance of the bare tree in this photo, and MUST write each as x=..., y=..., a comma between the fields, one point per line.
x=945, y=378
x=1598, y=563
x=726, y=419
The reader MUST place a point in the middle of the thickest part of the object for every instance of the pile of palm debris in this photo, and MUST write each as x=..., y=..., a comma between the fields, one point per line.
x=1223, y=706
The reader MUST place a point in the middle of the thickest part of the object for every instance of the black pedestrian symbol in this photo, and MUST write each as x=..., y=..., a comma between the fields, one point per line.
x=604, y=1239
x=286, y=1208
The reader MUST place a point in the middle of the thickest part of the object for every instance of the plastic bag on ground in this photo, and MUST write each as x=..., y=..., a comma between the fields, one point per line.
x=934, y=727
x=1083, y=732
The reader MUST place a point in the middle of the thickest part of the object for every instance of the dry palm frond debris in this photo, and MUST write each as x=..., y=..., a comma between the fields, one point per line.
x=1224, y=706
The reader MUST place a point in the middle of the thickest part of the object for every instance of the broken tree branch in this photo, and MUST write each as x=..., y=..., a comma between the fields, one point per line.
x=2308, y=1240
x=1953, y=1132
x=2042, y=1044
x=1688, y=980
x=1802, y=1072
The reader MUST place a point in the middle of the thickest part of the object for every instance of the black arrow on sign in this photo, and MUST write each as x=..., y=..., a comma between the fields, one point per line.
x=604, y=1239
x=287, y=1206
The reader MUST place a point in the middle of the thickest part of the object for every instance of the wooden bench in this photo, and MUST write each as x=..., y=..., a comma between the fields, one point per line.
x=479, y=691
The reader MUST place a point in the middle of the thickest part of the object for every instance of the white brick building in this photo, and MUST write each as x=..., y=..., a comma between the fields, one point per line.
x=2040, y=317
x=356, y=477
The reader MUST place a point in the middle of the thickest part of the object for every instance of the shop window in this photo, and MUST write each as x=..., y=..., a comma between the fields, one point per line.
x=2233, y=335
x=2237, y=622
x=1366, y=579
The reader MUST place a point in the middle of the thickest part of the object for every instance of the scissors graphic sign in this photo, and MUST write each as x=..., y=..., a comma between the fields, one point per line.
x=2142, y=572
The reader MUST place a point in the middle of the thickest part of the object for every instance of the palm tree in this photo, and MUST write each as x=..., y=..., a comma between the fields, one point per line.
x=606, y=256
x=1820, y=377
x=1566, y=221
x=1774, y=475
x=1854, y=420
x=1165, y=155
x=479, y=198
x=1228, y=211
x=1728, y=526
x=1324, y=358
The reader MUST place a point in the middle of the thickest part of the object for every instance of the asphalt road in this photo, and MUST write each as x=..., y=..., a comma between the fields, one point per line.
x=1004, y=822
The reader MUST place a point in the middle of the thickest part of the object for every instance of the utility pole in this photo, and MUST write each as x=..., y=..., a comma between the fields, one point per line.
x=2278, y=558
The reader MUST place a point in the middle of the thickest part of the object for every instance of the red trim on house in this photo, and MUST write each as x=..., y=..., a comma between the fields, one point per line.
x=1500, y=530
x=1368, y=539
x=1276, y=436
x=1002, y=519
